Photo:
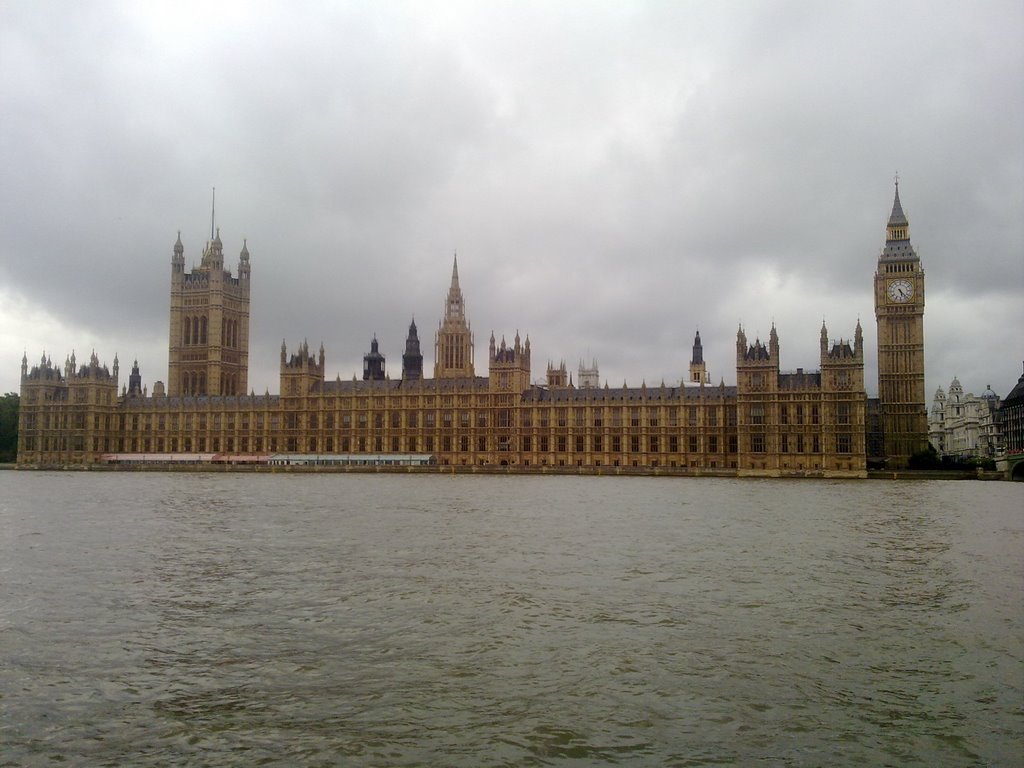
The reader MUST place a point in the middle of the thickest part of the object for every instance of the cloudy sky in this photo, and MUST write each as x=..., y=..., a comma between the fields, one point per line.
x=613, y=176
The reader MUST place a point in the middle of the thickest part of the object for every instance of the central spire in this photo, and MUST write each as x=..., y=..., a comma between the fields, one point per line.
x=455, y=308
x=453, y=346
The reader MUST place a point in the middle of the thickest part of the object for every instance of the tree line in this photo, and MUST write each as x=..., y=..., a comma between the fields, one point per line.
x=9, y=427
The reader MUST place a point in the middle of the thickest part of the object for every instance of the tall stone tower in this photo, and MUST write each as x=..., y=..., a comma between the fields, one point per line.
x=453, y=348
x=209, y=335
x=899, y=313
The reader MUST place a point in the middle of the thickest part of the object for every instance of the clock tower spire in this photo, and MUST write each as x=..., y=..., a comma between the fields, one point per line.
x=899, y=313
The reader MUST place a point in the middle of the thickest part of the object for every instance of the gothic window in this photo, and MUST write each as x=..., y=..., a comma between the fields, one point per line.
x=757, y=443
x=757, y=414
x=202, y=330
x=843, y=413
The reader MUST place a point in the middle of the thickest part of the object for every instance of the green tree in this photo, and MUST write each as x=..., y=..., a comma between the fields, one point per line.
x=9, y=427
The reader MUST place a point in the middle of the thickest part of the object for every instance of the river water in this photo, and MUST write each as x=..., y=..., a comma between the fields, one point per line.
x=387, y=620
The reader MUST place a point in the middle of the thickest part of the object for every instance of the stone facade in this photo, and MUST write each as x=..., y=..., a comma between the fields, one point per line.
x=772, y=422
x=208, y=352
x=964, y=426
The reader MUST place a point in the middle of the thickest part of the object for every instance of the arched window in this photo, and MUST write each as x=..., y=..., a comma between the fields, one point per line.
x=185, y=331
x=202, y=330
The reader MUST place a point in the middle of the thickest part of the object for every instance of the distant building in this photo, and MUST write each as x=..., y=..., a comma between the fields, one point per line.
x=964, y=426
x=1010, y=418
x=589, y=377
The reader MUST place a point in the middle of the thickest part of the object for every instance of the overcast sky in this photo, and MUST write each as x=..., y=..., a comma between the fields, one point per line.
x=613, y=176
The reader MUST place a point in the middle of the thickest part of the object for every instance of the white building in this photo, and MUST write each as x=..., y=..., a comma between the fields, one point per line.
x=964, y=426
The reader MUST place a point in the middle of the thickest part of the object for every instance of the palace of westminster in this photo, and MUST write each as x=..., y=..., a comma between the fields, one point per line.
x=771, y=422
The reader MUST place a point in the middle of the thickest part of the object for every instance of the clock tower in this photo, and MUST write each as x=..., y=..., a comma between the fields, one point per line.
x=899, y=313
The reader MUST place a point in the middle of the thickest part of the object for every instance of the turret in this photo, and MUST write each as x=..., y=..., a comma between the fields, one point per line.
x=302, y=372
x=244, y=270
x=509, y=366
x=135, y=380
x=178, y=258
x=698, y=370
x=412, y=359
x=373, y=363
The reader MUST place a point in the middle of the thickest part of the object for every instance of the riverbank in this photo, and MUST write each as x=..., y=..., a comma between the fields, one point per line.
x=497, y=470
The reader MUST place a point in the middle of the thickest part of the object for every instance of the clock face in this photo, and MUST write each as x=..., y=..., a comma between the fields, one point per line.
x=900, y=291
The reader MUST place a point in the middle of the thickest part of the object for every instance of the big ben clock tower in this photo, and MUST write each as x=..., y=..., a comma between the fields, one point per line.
x=899, y=312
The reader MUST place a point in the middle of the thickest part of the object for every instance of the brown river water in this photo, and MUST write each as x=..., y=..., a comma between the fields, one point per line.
x=385, y=620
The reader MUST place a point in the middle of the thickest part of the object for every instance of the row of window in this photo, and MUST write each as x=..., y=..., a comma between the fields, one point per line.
x=801, y=443
x=844, y=444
